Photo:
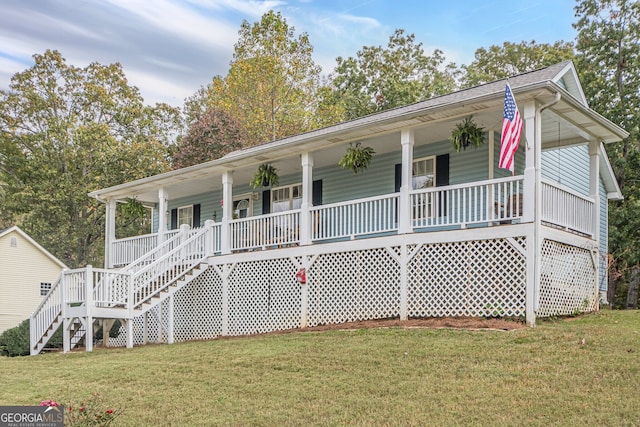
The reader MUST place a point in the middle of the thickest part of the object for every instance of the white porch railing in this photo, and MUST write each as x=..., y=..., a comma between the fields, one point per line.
x=488, y=201
x=567, y=208
x=46, y=313
x=123, y=251
x=265, y=231
x=355, y=218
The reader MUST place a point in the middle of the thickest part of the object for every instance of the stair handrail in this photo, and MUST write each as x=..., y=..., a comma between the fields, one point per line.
x=46, y=312
x=145, y=274
x=149, y=257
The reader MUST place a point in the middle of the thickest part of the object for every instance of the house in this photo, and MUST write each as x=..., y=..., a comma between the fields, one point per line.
x=27, y=271
x=425, y=231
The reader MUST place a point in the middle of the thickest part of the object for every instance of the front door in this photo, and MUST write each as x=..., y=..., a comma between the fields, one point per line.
x=242, y=206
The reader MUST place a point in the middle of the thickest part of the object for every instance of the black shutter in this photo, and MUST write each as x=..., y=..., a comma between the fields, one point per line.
x=196, y=216
x=442, y=170
x=398, y=177
x=174, y=219
x=316, y=197
x=266, y=202
x=442, y=179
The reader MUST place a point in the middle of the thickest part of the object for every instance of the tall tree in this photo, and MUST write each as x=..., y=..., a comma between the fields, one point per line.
x=272, y=82
x=499, y=62
x=380, y=78
x=608, y=44
x=214, y=134
x=65, y=131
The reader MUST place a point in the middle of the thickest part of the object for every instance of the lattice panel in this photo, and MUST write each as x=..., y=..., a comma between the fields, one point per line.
x=264, y=296
x=350, y=286
x=138, y=331
x=198, y=308
x=472, y=278
x=567, y=280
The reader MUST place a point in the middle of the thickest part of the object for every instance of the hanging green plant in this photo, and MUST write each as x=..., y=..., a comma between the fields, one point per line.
x=265, y=176
x=357, y=157
x=467, y=134
x=133, y=208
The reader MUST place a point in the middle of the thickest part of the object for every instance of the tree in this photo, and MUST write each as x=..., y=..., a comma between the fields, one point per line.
x=499, y=62
x=608, y=46
x=378, y=78
x=213, y=135
x=66, y=131
x=272, y=82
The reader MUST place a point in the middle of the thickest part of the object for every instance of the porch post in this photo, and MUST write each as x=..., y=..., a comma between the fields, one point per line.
x=594, y=193
x=531, y=206
x=307, y=198
x=162, y=214
x=407, y=139
x=594, y=186
x=109, y=231
x=227, y=211
x=170, y=320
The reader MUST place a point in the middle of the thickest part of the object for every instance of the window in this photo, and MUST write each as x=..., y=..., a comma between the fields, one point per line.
x=423, y=176
x=424, y=173
x=286, y=198
x=14, y=242
x=44, y=288
x=242, y=206
x=185, y=216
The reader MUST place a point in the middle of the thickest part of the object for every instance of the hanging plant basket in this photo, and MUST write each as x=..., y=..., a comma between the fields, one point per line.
x=467, y=134
x=265, y=176
x=357, y=157
x=133, y=208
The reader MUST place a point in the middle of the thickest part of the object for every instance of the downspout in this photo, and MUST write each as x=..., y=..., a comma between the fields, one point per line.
x=537, y=219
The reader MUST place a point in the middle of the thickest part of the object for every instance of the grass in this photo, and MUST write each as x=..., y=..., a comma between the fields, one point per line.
x=582, y=371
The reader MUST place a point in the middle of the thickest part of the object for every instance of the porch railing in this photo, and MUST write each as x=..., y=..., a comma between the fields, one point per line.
x=567, y=208
x=265, y=231
x=493, y=200
x=46, y=312
x=355, y=218
x=489, y=202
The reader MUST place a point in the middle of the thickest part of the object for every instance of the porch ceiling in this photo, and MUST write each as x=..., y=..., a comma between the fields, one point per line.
x=566, y=123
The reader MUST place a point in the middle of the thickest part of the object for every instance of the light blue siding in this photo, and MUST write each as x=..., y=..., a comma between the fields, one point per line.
x=568, y=166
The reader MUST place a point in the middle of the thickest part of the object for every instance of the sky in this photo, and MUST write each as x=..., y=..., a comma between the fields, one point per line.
x=170, y=48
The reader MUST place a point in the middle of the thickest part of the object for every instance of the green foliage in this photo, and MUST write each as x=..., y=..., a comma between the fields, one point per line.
x=272, y=83
x=15, y=341
x=213, y=134
x=380, y=78
x=467, y=134
x=64, y=132
x=357, y=157
x=499, y=62
x=608, y=60
x=265, y=176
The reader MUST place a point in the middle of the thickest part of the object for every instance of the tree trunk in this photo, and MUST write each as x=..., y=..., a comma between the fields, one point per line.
x=634, y=284
x=612, y=286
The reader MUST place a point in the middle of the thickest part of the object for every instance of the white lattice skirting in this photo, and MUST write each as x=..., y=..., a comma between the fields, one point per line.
x=484, y=277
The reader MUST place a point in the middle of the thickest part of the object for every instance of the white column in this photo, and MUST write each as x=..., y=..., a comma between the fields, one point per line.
x=594, y=186
x=170, y=326
x=227, y=211
x=594, y=193
x=88, y=336
x=307, y=198
x=162, y=214
x=528, y=209
x=491, y=207
x=407, y=139
x=109, y=231
x=404, y=282
x=531, y=206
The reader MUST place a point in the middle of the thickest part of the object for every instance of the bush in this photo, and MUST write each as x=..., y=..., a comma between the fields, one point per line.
x=15, y=341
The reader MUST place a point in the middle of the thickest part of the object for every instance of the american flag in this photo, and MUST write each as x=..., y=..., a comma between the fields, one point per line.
x=511, y=131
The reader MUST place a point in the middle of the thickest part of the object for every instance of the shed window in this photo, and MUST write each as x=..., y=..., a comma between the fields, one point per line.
x=13, y=242
x=44, y=288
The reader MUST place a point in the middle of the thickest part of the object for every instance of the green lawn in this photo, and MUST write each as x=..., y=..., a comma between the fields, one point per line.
x=568, y=372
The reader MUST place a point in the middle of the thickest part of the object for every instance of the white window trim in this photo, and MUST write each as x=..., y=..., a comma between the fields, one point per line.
x=244, y=196
x=421, y=159
x=291, y=198
x=190, y=207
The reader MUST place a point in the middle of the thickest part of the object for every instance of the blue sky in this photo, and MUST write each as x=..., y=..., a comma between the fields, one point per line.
x=169, y=48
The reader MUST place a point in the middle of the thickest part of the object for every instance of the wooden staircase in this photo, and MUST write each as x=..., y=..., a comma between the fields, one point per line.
x=81, y=297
